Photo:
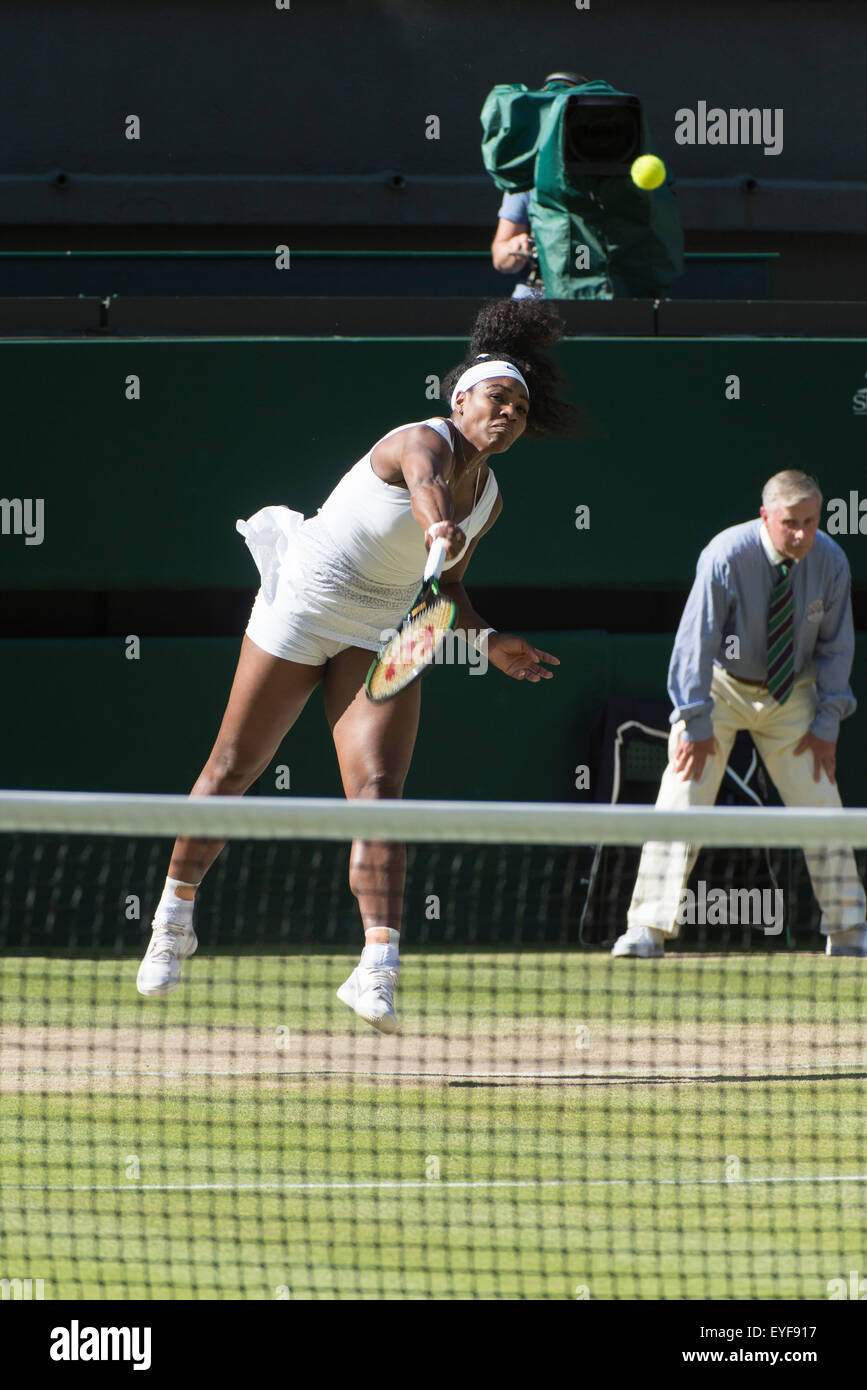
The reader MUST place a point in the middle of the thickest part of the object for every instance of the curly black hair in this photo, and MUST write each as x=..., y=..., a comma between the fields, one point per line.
x=519, y=331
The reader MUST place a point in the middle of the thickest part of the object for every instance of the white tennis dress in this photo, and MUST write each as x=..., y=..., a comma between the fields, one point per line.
x=345, y=576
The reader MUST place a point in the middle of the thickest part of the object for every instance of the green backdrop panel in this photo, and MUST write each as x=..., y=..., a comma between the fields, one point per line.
x=145, y=493
x=149, y=724
x=80, y=716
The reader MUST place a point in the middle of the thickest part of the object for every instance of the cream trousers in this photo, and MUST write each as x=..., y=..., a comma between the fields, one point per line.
x=776, y=730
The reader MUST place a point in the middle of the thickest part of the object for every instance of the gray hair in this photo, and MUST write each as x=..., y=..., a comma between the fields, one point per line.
x=788, y=487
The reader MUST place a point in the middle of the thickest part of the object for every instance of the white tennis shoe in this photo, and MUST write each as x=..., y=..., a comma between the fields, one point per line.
x=852, y=941
x=645, y=942
x=160, y=970
x=370, y=992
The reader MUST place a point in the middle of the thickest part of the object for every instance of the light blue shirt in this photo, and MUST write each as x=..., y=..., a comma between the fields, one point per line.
x=515, y=207
x=730, y=597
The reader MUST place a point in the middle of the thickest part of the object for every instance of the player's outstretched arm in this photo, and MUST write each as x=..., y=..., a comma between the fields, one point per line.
x=511, y=654
x=423, y=461
x=518, y=658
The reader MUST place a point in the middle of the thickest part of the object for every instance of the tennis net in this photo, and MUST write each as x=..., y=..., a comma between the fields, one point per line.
x=547, y=1122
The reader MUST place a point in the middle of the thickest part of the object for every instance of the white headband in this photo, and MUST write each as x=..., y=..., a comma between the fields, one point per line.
x=483, y=371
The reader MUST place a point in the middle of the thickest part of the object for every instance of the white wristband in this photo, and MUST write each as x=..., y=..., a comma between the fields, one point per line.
x=429, y=531
x=482, y=637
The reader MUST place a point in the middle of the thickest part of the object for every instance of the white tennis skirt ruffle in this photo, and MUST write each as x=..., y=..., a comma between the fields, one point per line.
x=308, y=581
x=270, y=535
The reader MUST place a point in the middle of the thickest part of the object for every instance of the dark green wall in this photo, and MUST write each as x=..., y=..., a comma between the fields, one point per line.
x=265, y=117
x=85, y=718
x=79, y=716
x=145, y=494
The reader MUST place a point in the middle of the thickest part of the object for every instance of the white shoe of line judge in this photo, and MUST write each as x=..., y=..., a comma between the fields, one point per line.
x=645, y=942
x=649, y=944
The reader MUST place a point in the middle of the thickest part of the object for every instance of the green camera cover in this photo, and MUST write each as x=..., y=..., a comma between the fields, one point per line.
x=597, y=236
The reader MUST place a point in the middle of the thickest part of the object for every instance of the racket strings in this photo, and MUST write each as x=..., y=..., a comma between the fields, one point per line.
x=412, y=648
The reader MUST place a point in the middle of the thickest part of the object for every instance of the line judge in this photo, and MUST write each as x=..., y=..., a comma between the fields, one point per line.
x=765, y=643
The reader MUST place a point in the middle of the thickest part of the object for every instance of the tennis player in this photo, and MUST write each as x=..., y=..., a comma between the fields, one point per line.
x=332, y=585
x=765, y=643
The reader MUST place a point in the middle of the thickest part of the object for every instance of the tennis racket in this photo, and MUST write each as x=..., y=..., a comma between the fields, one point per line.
x=418, y=638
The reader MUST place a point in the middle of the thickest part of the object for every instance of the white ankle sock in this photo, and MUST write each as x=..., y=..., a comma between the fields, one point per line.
x=381, y=953
x=171, y=908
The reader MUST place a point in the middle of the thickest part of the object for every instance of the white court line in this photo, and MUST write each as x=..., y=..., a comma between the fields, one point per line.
x=428, y=1184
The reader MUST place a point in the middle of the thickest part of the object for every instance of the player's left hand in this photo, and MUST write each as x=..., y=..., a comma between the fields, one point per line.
x=515, y=657
x=824, y=755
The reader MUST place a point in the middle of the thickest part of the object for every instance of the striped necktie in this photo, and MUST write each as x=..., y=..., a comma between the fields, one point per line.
x=781, y=646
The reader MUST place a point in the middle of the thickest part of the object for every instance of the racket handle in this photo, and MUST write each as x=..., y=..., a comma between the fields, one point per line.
x=435, y=559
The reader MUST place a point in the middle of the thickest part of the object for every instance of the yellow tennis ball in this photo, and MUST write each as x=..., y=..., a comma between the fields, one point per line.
x=648, y=171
